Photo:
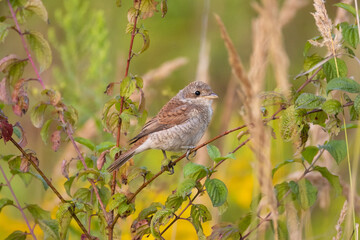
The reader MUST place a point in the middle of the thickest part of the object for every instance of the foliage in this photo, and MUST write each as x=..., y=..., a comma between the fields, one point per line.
x=97, y=199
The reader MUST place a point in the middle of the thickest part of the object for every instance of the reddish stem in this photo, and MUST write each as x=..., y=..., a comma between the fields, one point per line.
x=18, y=29
x=18, y=204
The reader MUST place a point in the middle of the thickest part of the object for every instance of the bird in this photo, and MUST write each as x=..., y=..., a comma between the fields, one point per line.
x=177, y=127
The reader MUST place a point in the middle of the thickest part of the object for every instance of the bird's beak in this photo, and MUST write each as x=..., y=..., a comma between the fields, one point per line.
x=211, y=96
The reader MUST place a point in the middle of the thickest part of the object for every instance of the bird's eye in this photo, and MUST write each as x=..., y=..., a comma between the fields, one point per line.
x=197, y=93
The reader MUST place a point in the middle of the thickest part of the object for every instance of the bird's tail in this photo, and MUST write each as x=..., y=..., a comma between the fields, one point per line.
x=121, y=160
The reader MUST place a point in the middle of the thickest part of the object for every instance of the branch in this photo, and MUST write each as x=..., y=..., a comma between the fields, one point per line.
x=48, y=182
x=17, y=203
x=18, y=29
x=68, y=130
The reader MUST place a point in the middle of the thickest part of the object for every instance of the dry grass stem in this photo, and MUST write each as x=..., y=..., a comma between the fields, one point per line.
x=340, y=221
x=325, y=27
x=293, y=223
x=289, y=10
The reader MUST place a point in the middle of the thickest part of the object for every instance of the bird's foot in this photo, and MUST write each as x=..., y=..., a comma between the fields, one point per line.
x=168, y=165
x=188, y=151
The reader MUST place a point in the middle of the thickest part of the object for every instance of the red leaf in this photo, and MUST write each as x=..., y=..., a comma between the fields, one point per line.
x=24, y=165
x=20, y=99
x=101, y=159
x=6, y=129
x=55, y=140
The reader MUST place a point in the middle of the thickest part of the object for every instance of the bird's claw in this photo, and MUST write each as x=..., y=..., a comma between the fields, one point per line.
x=188, y=151
x=168, y=165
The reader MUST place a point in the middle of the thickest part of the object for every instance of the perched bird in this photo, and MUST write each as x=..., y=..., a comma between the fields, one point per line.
x=178, y=126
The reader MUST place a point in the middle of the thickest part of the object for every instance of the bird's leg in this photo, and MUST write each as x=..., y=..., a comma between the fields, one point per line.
x=167, y=164
x=188, y=151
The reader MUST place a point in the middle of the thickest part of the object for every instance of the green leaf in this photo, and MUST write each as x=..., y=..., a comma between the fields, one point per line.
x=83, y=194
x=71, y=115
x=305, y=192
x=37, y=115
x=343, y=84
x=174, y=201
x=185, y=187
x=357, y=104
x=337, y=149
x=230, y=155
x=67, y=185
x=213, y=152
x=147, y=212
x=195, y=171
x=17, y=235
x=217, y=191
x=116, y=200
x=308, y=101
x=37, y=212
x=127, y=87
x=332, y=179
x=146, y=41
x=44, y=133
x=245, y=221
x=104, y=146
x=63, y=216
x=41, y=48
x=37, y=7
x=281, y=190
x=224, y=231
x=90, y=173
x=309, y=153
x=126, y=209
x=330, y=69
x=4, y=30
x=347, y=7
x=4, y=202
x=279, y=165
x=332, y=106
x=289, y=124
x=350, y=34
x=306, y=48
x=161, y=217
x=50, y=228
x=199, y=214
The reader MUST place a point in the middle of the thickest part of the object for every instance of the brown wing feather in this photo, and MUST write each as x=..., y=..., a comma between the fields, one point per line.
x=173, y=113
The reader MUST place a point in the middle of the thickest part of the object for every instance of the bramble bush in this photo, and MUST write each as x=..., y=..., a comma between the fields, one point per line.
x=98, y=200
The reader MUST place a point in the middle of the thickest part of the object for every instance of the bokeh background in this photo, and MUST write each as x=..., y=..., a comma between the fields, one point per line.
x=90, y=49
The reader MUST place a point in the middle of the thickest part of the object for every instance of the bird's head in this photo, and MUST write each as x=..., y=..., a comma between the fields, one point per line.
x=197, y=92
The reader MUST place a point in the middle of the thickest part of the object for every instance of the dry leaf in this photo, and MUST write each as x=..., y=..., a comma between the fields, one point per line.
x=55, y=140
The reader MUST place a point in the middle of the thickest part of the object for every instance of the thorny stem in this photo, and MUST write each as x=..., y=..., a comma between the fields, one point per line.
x=267, y=218
x=308, y=80
x=17, y=203
x=18, y=29
x=177, y=217
x=113, y=182
x=48, y=182
x=69, y=132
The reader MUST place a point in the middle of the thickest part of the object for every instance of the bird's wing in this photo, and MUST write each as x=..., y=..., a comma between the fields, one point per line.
x=173, y=113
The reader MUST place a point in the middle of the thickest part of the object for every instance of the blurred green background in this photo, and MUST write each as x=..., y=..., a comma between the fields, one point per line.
x=90, y=49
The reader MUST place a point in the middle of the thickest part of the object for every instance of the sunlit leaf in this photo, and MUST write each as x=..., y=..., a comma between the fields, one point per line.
x=357, y=104
x=332, y=68
x=347, y=7
x=41, y=48
x=37, y=212
x=161, y=217
x=309, y=101
x=68, y=184
x=86, y=142
x=213, y=151
x=37, y=7
x=195, y=171
x=174, y=201
x=332, y=106
x=309, y=153
x=4, y=30
x=44, y=133
x=37, y=115
x=116, y=200
x=185, y=187
x=63, y=217
x=5, y=202
x=50, y=228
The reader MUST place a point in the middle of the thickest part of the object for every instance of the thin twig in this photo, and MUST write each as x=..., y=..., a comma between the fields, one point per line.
x=48, y=182
x=18, y=204
x=257, y=226
x=18, y=29
x=308, y=80
x=68, y=130
x=111, y=224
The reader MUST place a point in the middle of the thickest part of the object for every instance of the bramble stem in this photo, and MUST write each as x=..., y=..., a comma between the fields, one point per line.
x=17, y=203
x=18, y=29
